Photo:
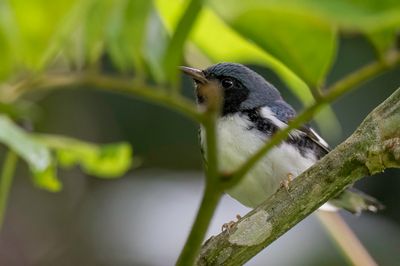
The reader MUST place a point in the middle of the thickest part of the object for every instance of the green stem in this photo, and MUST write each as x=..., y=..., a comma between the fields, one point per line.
x=159, y=96
x=335, y=91
x=211, y=196
x=152, y=94
x=6, y=178
x=345, y=239
x=204, y=215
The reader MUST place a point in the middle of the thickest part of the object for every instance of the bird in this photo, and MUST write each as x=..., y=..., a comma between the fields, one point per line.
x=251, y=111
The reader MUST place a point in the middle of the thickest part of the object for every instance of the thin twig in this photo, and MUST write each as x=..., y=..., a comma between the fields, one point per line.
x=211, y=197
x=7, y=174
x=149, y=93
x=345, y=239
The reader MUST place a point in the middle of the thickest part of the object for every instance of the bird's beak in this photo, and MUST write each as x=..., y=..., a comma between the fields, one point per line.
x=194, y=73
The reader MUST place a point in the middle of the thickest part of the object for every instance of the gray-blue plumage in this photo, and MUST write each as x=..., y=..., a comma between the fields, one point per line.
x=261, y=92
x=282, y=110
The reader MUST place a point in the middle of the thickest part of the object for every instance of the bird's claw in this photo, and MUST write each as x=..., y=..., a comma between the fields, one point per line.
x=286, y=182
x=230, y=225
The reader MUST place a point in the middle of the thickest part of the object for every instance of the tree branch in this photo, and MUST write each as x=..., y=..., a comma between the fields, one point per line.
x=373, y=147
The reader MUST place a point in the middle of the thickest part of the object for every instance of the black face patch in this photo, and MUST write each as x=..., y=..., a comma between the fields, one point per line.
x=200, y=98
x=233, y=95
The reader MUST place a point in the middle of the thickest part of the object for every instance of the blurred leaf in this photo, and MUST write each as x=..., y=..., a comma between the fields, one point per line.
x=33, y=152
x=351, y=14
x=383, y=40
x=328, y=124
x=33, y=24
x=6, y=61
x=6, y=38
x=97, y=17
x=303, y=42
x=106, y=161
x=47, y=179
x=156, y=42
x=126, y=33
x=378, y=19
x=368, y=16
x=173, y=53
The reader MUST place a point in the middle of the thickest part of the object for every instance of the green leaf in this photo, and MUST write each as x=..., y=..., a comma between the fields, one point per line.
x=33, y=25
x=383, y=40
x=305, y=43
x=126, y=33
x=6, y=41
x=97, y=17
x=6, y=62
x=156, y=42
x=47, y=179
x=375, y=18
x=351, y=15
x=36, y=154
x=173, y=53
x=106, y=161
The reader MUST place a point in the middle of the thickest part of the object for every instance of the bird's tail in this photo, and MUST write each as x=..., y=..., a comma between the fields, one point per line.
x=356, y=201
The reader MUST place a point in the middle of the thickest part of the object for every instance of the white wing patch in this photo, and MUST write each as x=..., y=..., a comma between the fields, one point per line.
x=267, y=113
x=319, y=138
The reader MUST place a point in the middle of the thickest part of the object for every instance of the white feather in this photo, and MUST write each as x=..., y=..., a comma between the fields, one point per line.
x=236, y=142
x=320, y=140
x=267, y=113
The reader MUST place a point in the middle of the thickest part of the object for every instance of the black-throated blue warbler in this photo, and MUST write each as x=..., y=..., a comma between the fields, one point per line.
x=251, y=111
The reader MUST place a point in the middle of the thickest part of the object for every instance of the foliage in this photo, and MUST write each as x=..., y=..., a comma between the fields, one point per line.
x=49, y=44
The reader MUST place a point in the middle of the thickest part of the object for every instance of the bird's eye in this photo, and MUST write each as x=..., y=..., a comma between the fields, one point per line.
x=227, y=83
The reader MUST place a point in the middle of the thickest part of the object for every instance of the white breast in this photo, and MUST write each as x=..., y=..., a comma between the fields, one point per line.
x=237, y=141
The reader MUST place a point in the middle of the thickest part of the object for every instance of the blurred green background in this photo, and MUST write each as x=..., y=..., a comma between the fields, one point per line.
x=143, y=218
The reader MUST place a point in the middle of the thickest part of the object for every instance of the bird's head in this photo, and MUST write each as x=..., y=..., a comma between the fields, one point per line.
x=233, y=86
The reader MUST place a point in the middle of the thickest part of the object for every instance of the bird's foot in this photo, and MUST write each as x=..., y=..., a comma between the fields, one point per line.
x=230, y=225
x=286, y=182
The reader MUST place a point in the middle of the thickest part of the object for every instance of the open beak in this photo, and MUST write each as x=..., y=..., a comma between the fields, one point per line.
x=194, y=73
